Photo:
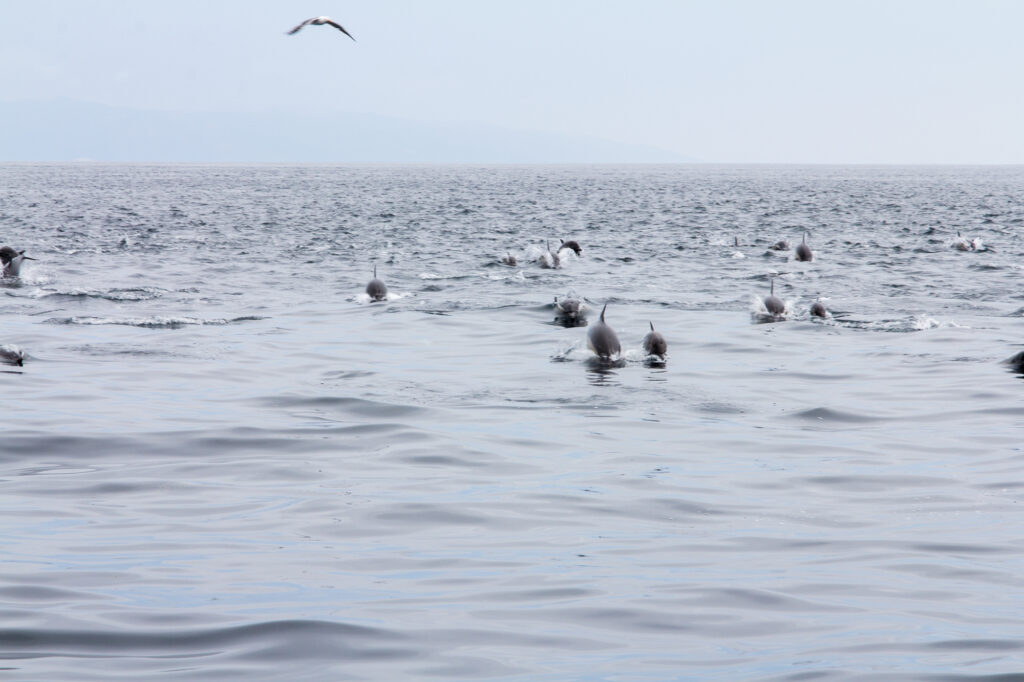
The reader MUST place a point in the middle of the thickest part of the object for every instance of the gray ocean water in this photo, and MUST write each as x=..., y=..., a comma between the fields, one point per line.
x=221, y=461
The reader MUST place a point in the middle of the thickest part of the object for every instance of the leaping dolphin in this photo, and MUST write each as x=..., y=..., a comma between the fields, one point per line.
x=571, y=244
x=654, y=343
x=12, y=261
x=772, y=303
x=12, y=355
x=551, y=259
x=803, y=252
x=376, y=289
x=602, y=339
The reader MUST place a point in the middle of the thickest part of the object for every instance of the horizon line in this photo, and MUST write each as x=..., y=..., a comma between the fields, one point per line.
x=823, y=164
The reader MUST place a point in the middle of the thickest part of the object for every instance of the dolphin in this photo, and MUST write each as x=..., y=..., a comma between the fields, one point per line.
x=12, y=261
x=551, y=260
x=602, y=339
x=772, y=303
x=569, y=308
x=803, y=252
x=508, y=259
x=12, y=355
x=961, y=243
x=571, y=244
x=781, y=245
x=818, y=310
x=1016, y=362
x=376, y=289
x=964, y=244
x=654, y=343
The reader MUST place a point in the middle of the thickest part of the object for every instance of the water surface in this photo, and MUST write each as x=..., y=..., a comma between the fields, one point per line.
x=219, y=460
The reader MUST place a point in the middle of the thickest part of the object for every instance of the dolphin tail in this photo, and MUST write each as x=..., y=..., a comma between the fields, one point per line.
x=652, y=325
x=602, y=311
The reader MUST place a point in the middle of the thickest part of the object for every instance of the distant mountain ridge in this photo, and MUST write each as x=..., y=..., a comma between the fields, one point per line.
x=66, y=130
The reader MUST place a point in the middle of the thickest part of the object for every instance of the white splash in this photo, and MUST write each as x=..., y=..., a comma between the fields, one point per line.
x=923, y=322
x=574, y=351
x=363, y=298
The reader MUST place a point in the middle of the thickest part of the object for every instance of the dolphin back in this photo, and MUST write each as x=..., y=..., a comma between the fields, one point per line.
x=376, y=289
x=601, y=338
x=654, y=343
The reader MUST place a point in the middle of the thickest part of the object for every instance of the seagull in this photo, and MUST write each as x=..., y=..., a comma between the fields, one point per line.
x=320, y=21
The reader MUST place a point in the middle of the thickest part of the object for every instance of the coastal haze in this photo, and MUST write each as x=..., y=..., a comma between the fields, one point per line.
x=63, y=130
x=220, y=459
x=919, y=81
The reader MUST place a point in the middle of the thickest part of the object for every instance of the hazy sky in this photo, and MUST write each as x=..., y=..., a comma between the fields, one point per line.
x=893, y=81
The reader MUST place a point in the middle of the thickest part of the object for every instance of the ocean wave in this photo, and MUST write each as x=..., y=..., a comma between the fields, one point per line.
x=290, y=639
x=155, y=322
x=117, y=294
x=917, y=323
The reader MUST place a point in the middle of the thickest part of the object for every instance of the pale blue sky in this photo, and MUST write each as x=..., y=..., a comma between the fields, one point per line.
x=788, y=81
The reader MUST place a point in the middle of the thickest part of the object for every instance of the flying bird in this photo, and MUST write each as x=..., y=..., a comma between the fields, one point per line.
x=320, y=21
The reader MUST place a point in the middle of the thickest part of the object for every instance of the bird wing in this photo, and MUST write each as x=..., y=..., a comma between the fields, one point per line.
x=296, y=29
x=340, y=28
